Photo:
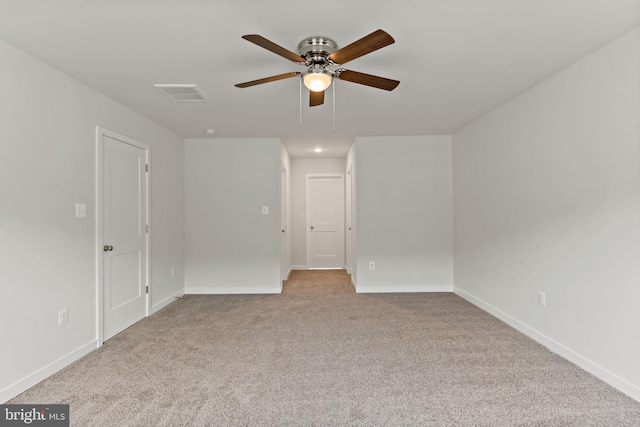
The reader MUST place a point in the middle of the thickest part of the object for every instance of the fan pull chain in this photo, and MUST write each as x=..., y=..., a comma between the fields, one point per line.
x=300, y=82
x=334, y=106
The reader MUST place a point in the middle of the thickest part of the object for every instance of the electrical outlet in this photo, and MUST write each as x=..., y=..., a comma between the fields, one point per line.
x=81, y=210
x=372, y=265
x=173, y=272
x=542, y=299
x=63, y=316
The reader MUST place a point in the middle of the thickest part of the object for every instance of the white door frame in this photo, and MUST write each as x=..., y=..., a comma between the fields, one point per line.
x=100, y=133
x=340, y=217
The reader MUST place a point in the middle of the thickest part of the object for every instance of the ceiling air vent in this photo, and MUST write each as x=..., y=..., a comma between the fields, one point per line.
x=182, y=92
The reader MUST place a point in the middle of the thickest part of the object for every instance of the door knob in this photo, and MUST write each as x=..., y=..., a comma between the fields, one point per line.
x=108, y=248
x=312, y=227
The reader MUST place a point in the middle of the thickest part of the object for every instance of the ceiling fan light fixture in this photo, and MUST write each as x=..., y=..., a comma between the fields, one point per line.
x=319, y=55
x=317, y=81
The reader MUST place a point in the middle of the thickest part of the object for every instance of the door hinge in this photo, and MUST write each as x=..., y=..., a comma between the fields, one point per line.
x=147, y=289
x=146, y=167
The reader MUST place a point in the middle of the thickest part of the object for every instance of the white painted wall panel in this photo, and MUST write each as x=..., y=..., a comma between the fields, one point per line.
x=47, y=256
x=404, y=214
x=547, y=197
x=231, y=247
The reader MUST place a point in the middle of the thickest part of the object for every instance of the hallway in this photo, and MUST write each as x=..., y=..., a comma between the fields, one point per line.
x=318, y=282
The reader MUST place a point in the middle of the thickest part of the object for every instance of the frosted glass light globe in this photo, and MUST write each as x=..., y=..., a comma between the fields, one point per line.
x=317, y=82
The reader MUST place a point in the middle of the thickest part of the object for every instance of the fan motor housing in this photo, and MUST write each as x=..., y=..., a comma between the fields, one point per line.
x=317, y=48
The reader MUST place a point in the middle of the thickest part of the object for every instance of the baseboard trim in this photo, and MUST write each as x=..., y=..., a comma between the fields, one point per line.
x=299, y=267
x=43, y=373
x=165, y=302
x=286, y=276
x=402, y=289
x=353, y=283
x=605, y=375
x=233, y=291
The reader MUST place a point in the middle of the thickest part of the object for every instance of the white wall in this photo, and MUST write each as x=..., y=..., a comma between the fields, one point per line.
x=547, y=197
x=47, y=256
x=299, y=169
x=404, y=214
x=231, y=247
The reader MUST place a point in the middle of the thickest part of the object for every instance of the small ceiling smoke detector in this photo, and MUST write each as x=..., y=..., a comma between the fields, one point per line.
x=182, y=92
x=210, y=131
x=318, y=150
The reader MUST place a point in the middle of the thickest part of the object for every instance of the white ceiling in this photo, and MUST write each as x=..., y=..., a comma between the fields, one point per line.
x=456, y=59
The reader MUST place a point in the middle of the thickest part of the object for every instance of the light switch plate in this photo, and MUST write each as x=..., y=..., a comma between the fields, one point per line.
x=265, y=210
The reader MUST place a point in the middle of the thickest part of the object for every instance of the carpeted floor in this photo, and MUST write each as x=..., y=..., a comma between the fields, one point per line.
x=321, y=358
x=318, y=282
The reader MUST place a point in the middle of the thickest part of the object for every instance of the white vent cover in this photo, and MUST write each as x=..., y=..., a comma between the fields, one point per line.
x=183, y=92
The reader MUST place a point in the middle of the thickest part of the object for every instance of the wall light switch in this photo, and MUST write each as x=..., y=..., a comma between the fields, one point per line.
x=81, y=210
x=265, y=210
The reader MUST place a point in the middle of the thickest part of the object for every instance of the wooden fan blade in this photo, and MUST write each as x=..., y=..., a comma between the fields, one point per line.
x=316, y=98
x=278, y=50
x=374, y=41
x=267, y=79
x=369, y=80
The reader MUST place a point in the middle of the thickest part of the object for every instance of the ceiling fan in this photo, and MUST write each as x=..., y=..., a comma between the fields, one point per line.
x=320, y=53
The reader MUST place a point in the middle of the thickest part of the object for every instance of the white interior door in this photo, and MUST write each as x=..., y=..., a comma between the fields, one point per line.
x=124, y=235
x=284, y=244
x=348, y=216
x=325, y=221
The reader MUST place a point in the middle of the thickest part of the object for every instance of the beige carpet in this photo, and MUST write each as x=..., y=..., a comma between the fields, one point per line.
x=318, y=282
x=329, y=359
